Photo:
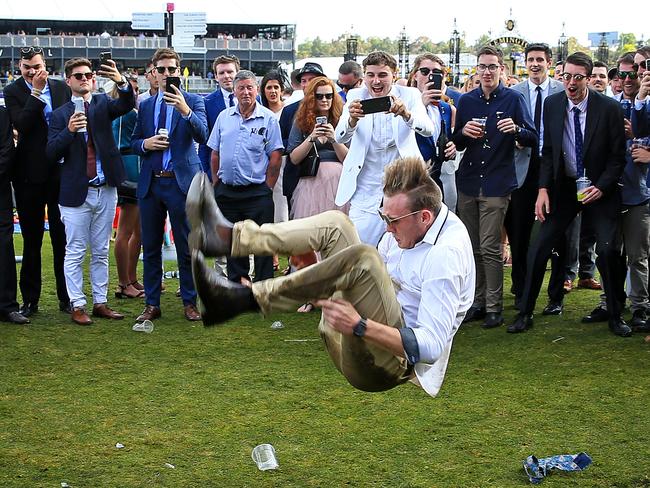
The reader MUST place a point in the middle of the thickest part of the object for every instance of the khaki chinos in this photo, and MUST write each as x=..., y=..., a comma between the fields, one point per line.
x=350, y=270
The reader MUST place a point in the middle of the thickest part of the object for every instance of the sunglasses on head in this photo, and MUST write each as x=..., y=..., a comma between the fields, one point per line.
x=80, y=76
x=30, y=52
x=324, y=96
x=632, y=75
x=170, y=69
x=424, y=71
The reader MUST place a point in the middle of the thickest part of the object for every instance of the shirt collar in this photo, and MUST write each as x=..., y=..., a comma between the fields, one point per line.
x=543, y=85
x=90, y=97
x=256, y=111
x=431, y=237
x=495, y=93
x=226, y=95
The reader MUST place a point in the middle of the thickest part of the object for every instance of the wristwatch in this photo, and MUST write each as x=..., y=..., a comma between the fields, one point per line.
x=360, y=329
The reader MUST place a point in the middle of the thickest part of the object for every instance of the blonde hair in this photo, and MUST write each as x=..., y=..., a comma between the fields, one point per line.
x=411, y=177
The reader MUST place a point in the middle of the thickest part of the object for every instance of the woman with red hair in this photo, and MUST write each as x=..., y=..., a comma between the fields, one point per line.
x=313, y=130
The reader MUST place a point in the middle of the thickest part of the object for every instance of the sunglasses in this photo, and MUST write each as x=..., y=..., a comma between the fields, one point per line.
x=30, y=52
x=170, y=69
x=644, y=64
x=569, y=76
x=391, y=220
x=425, y=71
x=632, y=75
x=343, y=86
x=80, y=76
x=324, y=96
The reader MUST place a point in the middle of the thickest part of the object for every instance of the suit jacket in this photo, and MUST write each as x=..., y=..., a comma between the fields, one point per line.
x=641, y=121
x=290, y=174
x=604, y=142
x=73, y=148
x=523, y=155
x=359, y=137
x=27, y=117
x=182, y=136
x=214, y=104
x=6, y=155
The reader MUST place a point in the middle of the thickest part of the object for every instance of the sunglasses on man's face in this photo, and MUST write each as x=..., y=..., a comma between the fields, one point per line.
x=643, y=65
x=81, y=76
x=30, y=52
x=324, y=96
x=424, y=71
x=170, y=69
x=391, y=220
x=632, y=75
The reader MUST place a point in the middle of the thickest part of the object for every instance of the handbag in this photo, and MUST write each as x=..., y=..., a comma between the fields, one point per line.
x=131, y=163
x=309, y=165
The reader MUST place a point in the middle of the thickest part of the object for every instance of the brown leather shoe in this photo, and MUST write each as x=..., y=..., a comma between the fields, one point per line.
x=191, y=313
x=568, y=286
x=104, y=311
x=79, y=316
x=589, y=284
x=150, y=312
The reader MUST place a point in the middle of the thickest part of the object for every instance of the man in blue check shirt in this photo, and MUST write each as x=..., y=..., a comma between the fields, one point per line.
x=245, y=163
x=490, y=121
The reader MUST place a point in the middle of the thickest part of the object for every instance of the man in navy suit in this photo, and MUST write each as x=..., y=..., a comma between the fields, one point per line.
x=30, y=101
x=583, y=157
x=81, y=138
x=225, y=69
x=169, y=162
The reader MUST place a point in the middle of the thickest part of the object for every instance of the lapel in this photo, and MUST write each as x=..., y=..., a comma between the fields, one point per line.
x=558, y=117
x=592, y=120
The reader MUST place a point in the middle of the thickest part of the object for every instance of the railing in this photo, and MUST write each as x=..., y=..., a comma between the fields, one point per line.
x=15, y=40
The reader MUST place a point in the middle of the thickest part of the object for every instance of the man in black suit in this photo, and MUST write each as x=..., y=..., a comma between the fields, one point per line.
x=582, y=161
x=81, y=138
x=30, y=101
x=8, y=304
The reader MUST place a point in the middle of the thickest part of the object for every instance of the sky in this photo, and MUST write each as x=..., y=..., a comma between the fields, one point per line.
x=380, y=18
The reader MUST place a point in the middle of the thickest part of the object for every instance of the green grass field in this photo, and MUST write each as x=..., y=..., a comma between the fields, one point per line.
x=201, y=399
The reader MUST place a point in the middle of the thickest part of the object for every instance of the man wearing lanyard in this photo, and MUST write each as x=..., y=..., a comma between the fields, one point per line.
x=91, y=169
x=168, y=126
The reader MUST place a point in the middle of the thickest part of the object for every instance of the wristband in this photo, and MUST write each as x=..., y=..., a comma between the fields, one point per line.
x=360, y=329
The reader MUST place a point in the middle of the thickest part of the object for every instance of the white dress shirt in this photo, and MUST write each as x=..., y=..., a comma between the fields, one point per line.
x=434, y=283
x=532, y=97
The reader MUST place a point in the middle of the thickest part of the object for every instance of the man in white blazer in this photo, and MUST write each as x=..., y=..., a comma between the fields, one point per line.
x=376, y=140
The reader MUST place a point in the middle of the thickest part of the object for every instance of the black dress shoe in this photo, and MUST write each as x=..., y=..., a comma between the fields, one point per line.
x=522, y=323
x=639, y=322
x=598, y=314
x=221, y=299
x=492, y=320
x=28, y=309
x=65, y=307
x=553, y=308
x=474, y=313
x=619, y=328
x=211, y=231
x=16, y=318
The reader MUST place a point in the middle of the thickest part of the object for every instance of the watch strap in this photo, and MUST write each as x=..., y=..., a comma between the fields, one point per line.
x=360, y=329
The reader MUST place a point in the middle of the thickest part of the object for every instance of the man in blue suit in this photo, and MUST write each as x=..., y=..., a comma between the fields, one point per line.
x=225, y=68
x=81, y=137
x=168, y=126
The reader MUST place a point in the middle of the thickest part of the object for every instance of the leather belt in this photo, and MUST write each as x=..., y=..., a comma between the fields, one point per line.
x=91, y=185
x=163, y=174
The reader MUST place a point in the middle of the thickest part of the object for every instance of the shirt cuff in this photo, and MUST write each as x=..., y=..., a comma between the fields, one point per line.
x=125, y=86
x=410, y=344
x=639, y=104
x=142, y=147
x=186, y=117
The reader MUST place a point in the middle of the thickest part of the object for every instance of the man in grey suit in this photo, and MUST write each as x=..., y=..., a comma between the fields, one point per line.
x=521, y=212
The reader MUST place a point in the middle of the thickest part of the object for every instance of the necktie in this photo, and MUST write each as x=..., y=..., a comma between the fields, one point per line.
x=538, y=109
x=231, y=99
x=157, y=156
x=580, y=171
x=91, y=157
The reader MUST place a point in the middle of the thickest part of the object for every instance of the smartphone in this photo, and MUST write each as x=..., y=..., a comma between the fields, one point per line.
x=172, y=80
x=104, y=56
x=435, y=81
x=80, y=108
x=321, y=120
x=375, y=105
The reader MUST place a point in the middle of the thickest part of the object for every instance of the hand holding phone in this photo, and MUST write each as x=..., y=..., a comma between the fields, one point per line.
x=376, y=105
x=172, y=81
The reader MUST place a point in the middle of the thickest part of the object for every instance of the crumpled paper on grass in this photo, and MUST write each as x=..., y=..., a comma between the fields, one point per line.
x=537, y=469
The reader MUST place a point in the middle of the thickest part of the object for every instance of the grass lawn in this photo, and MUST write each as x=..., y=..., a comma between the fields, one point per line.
x=201, y=399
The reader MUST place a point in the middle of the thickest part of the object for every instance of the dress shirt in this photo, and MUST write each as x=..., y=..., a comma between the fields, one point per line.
x=226, y=97
x=167, y=153
x=433, y=112
x=100, y=178
x=46, y=98
x=245, y=145
x=434, y=283
x=569, y=138
x=488, y=166
x=532, y=95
